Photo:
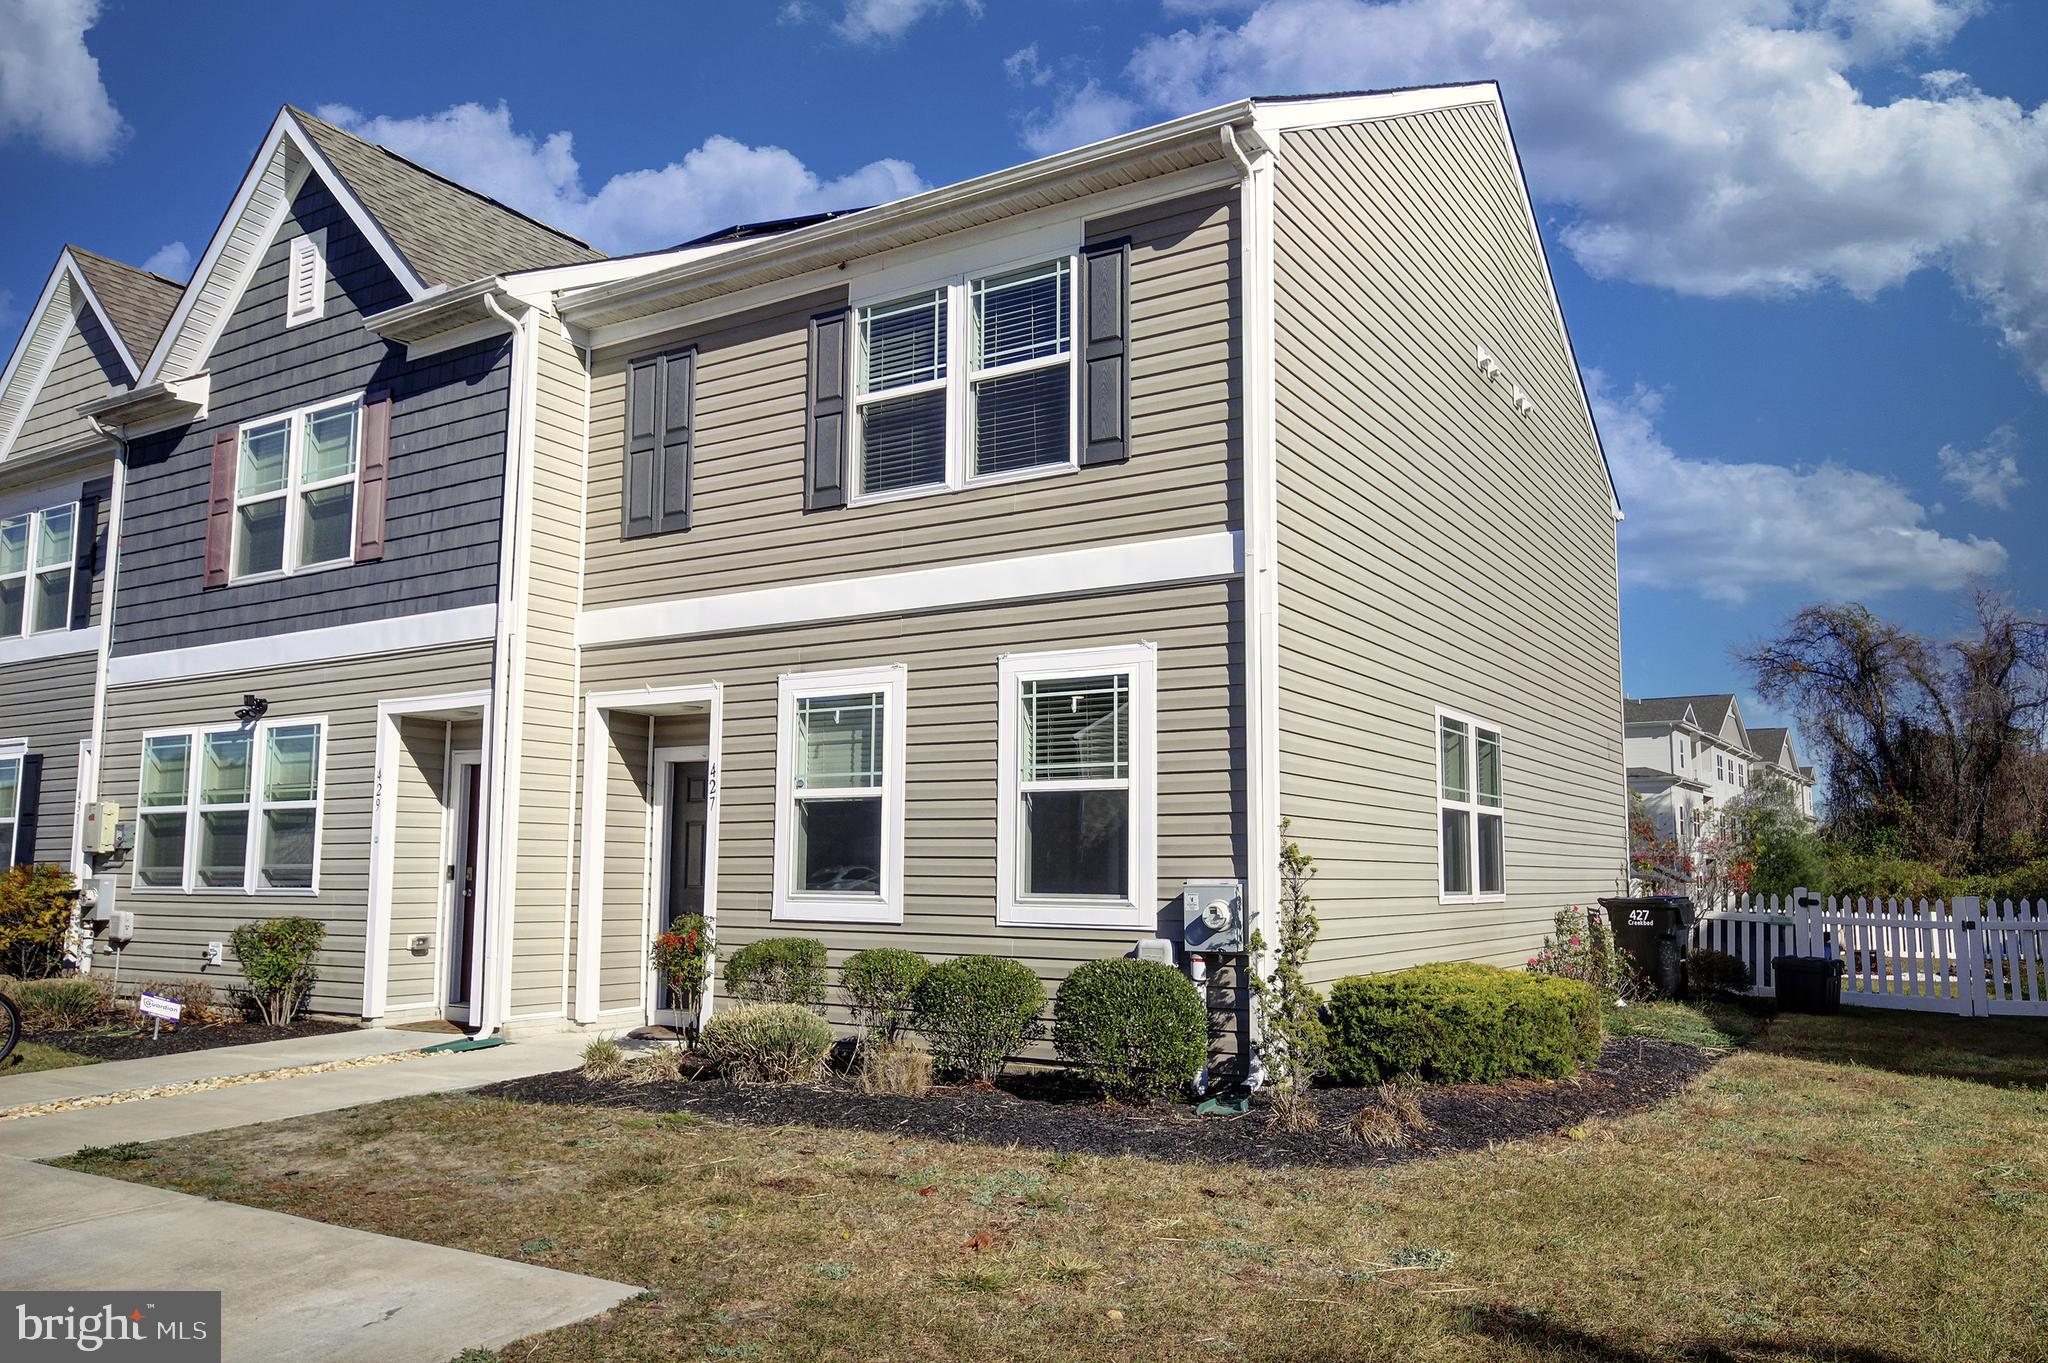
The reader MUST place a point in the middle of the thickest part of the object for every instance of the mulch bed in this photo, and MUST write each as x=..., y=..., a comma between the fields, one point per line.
x=1044, y=1111
x=127, y=1043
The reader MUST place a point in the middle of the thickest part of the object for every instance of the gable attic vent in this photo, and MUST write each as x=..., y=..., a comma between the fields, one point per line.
x=306, y=290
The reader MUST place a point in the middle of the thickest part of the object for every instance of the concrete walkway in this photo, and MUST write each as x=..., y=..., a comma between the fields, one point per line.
x=270, y=1100
x=290, y=1288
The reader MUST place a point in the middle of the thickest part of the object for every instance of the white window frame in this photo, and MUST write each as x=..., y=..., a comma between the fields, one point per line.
x=1470, y=805
x=307, y=252
x=960, y=377
x=790, y=904
x=295, y=489
x=30, y=572
x=257, y=807
x=14, y=752
x=1140, y=910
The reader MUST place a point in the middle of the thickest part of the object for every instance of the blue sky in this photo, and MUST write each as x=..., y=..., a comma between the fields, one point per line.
x=1799, y=242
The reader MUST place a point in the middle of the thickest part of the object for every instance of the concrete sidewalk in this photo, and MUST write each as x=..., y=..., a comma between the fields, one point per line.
x=115, y=1076
x=290, y=1288
x=270, y=1100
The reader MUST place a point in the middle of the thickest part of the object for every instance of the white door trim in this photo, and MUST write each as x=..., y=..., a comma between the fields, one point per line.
x=597, y=738
x=660, y=832
x=455, y=791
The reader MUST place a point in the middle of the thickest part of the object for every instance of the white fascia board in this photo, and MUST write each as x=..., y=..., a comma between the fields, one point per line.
x=1074, y=572
x=18, y=388
x=1287, y=115
x=332, y=643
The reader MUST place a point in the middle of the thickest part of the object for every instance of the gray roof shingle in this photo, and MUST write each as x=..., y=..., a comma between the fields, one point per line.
x=1710, y=711
x=450, y=235
x=138, y=303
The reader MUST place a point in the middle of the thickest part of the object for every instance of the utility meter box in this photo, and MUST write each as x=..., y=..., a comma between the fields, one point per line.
x=102, y=827
x=103, y=896
x=1212, y=920
x=121, y=926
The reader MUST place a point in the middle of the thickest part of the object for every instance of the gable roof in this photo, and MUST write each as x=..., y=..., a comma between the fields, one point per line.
x=1775, y=745
x=1658, y=710
x=137, y=303
x=431, y=233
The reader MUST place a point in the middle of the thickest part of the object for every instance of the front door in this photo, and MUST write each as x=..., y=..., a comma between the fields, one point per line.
x=465, y=937
x=686, y=804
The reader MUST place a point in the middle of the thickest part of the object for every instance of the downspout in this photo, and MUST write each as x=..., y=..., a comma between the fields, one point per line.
x=89, y=789
x=1254, y=158
x=501, y=757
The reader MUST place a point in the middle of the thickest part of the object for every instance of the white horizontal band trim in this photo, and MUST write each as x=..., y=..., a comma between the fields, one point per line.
x=57, y=643
x=1112, y=567
x=468, y=624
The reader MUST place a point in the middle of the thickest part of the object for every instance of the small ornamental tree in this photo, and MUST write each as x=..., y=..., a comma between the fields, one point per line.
x=1582, y=948
x=35, y=919
x=682, y=957
x=1722, y=864
x=1293, y=1043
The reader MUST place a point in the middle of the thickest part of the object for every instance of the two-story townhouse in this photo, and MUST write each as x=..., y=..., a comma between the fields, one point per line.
x=310, y=599
x=1777, y=759
x=1689, y=756
x=974, y=572
x=93, y=325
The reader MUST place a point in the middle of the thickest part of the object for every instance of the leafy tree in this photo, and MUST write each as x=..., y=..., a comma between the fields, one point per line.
x=1293, y=1045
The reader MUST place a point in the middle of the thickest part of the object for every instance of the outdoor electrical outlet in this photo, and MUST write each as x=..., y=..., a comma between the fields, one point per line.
x=213, y=953
x=419, y=945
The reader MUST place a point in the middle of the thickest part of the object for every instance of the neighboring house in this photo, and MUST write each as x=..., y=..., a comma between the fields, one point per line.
x=1688, y=756
x=968, y=573
x=86, y=338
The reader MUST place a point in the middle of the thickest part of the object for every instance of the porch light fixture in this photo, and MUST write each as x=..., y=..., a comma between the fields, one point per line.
x=253, y=709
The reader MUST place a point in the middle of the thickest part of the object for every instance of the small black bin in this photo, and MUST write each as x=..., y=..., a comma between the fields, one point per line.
x=1656, y=931
x=1809, y=984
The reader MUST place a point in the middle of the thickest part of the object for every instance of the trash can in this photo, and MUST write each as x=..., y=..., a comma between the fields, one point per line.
x=1809, y=984
x=1656, y=932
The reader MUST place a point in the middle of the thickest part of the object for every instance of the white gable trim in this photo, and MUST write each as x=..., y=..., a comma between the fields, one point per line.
x=266, y=193
x=42, y=341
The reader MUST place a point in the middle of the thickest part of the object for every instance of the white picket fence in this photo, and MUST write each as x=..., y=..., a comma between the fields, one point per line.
x=1962, y=956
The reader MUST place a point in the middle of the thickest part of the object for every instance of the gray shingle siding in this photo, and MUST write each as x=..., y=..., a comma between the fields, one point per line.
x=446, y=473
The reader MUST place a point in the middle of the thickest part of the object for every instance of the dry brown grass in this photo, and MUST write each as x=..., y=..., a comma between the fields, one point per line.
x=902, y=1067
x=1788, y=1206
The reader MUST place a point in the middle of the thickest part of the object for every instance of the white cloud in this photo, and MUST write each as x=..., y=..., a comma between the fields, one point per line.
x=172, y=260
x=1989, y=474
x=1085, y=114
x=1716, y=148
x=50, y=85
x=1024, y=67
x=1726, y=529
x=884, y=21
x=720, y=182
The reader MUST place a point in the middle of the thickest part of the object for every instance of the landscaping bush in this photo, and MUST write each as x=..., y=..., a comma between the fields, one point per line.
x=778, y=970
x=900, y=1066
x=1582, y=948
x=35, y=918
x=1716, y=972
x=603, y=1058
x=199, y=1002
x=1134, y=1028
x=977, y=1011
x=276, y=956
x=61, y=1003
x=881, y=988
x=767, y=1043
x=1459, y=1022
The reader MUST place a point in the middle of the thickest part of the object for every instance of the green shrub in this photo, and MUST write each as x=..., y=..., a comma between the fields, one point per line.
x=977, y=1011
x=1134, y=1028
x=1459, y=1022
x=2029, y=880
x=767, y=1043
x=1716, y=972
x=276, y=956
x=35, y=918
x=778, y=970
x=61, y=1003
x=1583, y=948
x=881, y=988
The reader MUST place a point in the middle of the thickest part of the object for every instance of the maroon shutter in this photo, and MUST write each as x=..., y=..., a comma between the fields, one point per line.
x=372, y=473
x=220, y=506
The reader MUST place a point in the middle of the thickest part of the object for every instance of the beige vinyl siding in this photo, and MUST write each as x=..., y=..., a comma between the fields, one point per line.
x=548, y=719
x=87, y=367
x=419, y=855
x=950, y=814
x=173, y=928
x=750, y=529
x=1435, y=547
x=48, y=702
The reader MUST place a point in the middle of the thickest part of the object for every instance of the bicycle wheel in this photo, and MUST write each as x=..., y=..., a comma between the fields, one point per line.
x=11, y=1022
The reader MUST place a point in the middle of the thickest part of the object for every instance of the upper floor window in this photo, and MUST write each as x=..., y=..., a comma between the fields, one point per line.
x=38, y=554
x=295, y=491
x=235, y=808
x=966, y=382
x=306, y=284
x=1471, y=841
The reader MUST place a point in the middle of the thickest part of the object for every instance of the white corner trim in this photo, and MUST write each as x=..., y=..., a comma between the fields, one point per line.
x=57, y=643
x=1073, y=572
x=405, y=634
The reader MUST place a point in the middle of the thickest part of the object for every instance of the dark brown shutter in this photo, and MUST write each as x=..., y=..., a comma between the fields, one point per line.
x=373, y=476
x=220, y=507
x=643, y=407
x=1105, y=352
x=828, y=417
x=86, y=539
x=678, y=394
x=29, y=796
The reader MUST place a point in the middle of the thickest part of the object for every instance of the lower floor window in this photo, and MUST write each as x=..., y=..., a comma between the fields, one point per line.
x=1471, y=837
x=10, y=807
x=230, y=808
x=839, y=824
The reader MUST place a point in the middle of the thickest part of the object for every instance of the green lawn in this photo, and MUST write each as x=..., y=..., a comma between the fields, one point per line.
x=1870, y=1188
x=30, y=1056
